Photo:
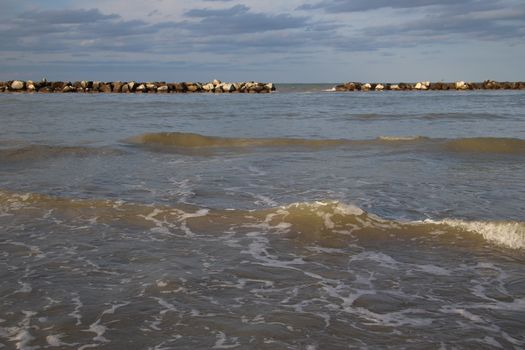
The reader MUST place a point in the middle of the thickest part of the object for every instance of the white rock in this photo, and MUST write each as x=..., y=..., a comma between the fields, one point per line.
x=460, y=85
x=141, y=87
x=380, y=87
x=216, y=82
x=17, y=85
x=366, y=86
x=163, y=88
x=31, y=87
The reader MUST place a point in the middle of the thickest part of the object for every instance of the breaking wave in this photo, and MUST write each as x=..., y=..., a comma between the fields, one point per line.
x=305, y=220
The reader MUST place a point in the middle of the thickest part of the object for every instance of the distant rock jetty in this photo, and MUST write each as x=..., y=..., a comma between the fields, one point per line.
x=426, y=85
x=85, y=86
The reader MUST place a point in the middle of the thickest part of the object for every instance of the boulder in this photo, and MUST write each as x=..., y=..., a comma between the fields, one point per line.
x=350, y=86
x=379, y=87
x=193, y=87
x=216, y=82
x=210, y=87
x=366, y=87
x=421, y=86
x=105, y=88
x=163, y=89
x=227, y=87
x=125, y=89
x=270, y=86
x=180, y=87
x=152, y=87
x=17, y=85
x=69, y=88
x=31, y=87
x=132, y=86
x=141, y=88
x=116, y=86
x=394, y=87
x=460, y=85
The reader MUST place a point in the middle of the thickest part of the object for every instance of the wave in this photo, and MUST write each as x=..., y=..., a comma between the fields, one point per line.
x=321, y=220
x=35, y=152
x=191, y=140
x=487, y=145
x=481, y=145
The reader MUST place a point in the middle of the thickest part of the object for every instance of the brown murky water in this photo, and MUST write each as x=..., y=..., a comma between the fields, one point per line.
x=323, y=221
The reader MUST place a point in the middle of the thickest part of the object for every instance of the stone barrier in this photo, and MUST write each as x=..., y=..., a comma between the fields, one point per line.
x=427, y=85
x=85, y=86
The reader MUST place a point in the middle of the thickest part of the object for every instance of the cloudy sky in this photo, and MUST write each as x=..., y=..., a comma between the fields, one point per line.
x=271, y=40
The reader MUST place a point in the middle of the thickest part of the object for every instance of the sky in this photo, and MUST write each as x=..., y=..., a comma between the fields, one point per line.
x=296, y=41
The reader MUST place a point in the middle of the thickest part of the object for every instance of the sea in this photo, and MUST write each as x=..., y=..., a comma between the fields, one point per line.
x=301, y=219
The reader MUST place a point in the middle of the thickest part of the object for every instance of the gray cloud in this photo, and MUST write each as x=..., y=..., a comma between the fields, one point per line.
x=238, y=20
x=337, y=6
x=488, y=21
x=237, y=36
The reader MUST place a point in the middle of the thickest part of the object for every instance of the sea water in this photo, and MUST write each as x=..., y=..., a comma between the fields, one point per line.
x=301, y=219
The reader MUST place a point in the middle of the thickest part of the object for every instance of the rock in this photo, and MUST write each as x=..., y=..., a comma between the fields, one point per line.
x=163, y=89
x=141, y=88
x=227, y=87
x=151, y=87
x=31, y=87
x=117, y=86
x=96, y=85
x=69, y=88
x=17, y=85
x=132, y=86
x=379, y=87
x=421, y=86
x=125, y=89
x=216, y=82
x=240, y=87
x=394, y=87
x=210, y=87
x=366, y=87
x=350, y=86
x=270, y=87
x=180, y=87
x=193, y=87
x=105, y=88
x=460, y=85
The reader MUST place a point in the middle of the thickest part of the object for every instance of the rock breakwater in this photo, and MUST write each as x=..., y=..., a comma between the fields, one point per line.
x=427, y=85
x=85, y=86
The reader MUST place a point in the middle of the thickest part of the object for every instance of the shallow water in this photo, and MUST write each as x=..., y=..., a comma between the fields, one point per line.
x=300, y=219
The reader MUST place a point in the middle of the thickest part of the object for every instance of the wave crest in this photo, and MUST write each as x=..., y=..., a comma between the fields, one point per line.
x=189, y=141
x=486, y=145
x=35, y=152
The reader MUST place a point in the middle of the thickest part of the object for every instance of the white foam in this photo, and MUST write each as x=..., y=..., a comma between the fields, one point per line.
x=76, y=312
x=221, y=342
x=509, y=234
x=99, y=330
x=399, y=138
